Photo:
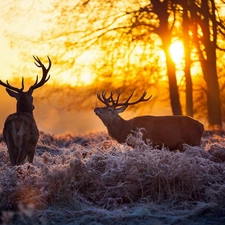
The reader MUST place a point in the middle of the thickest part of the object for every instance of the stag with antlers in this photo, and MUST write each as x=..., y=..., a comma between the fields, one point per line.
x=20, y=130
x=168, y=131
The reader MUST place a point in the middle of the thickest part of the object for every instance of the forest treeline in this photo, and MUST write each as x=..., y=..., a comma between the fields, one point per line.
x=122, y=41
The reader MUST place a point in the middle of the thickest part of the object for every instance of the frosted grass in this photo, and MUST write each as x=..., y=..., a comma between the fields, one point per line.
x=91, y=179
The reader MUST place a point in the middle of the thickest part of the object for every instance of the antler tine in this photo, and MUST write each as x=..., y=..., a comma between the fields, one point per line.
x=129, y=97
x=114, y=102
x=7, y=85
x=103, y=98
x=107, y=100
x=117, y=100
x=99, y=97
x=45, y=71
x=141, y=99
x=38, y=63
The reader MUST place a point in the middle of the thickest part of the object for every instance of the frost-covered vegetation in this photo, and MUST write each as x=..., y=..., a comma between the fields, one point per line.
x=92, y=179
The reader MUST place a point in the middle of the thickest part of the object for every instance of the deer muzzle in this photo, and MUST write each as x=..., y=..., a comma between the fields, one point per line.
x=97, y=111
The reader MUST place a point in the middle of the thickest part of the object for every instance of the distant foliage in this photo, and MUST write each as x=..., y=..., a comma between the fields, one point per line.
x=93, y=173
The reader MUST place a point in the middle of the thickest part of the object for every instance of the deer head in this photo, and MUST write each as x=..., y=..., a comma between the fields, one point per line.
x=113, y=106
x=25, y=99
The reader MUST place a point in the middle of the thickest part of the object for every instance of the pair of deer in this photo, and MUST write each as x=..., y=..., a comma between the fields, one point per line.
x=21, y=133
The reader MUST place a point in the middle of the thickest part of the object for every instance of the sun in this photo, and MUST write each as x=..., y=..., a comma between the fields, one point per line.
x=177, y=52
x=86, y=78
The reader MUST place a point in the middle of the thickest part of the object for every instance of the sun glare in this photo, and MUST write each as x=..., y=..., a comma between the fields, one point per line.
x=86, y=78
x=177, y=51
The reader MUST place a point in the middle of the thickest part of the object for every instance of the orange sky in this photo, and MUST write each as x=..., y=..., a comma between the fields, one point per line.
x=51, y=120
x=48, y=118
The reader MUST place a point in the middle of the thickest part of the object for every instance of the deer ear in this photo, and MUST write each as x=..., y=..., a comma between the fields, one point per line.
x=121, y=109
x=12, y=93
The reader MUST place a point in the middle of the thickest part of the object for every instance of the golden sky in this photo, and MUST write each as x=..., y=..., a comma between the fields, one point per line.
x=50, y=120
x=48, y=117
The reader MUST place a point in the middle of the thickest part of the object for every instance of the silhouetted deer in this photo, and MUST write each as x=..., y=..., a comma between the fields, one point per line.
x=20, y=130
x=170, y=131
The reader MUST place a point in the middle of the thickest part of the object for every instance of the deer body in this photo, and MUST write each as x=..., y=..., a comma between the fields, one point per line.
x=20, y=130
x=170, y=131
x=21, y=135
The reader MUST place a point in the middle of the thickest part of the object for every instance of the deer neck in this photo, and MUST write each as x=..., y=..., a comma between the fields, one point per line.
x=24, y=108
x=119, y=129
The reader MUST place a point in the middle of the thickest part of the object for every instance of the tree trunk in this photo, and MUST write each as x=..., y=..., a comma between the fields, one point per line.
x=187, y=70
x=209, y=64
x=173, y=87
x=213, y=91
x=161, y=10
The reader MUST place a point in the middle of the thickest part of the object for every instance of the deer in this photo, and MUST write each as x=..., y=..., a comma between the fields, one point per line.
x=168, y=131
x=20, y=131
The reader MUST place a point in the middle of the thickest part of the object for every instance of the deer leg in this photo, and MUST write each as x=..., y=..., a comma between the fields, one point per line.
x=31, y=151
x=22, y=146
x=21, y=156
x=30, y=156
x=12, y=150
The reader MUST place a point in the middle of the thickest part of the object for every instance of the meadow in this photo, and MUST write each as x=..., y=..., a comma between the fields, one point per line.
x=91, y=179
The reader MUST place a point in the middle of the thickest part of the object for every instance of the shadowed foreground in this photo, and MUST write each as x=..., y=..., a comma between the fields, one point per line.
x=92, y=179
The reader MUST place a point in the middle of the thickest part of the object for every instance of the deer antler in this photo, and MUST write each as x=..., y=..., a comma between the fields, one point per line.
x=7, y=85
x=141, y=99
x=103, y=98
x=115, y=103
x=45, y=71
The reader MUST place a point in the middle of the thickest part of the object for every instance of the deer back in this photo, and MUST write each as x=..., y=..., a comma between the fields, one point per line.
x=21, y=135
x=170, y=131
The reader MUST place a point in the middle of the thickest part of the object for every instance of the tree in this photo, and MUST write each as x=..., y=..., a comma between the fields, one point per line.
x=161, y=9
x=205, y=32
x=187, y=55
